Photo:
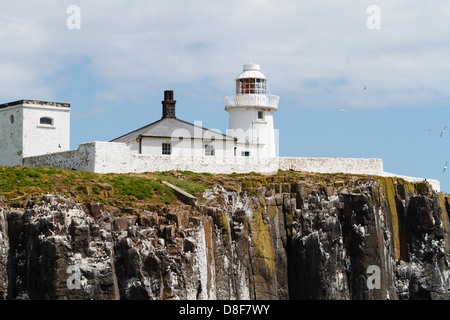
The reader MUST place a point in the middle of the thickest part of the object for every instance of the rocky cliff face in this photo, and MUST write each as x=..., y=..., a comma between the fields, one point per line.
x=289, y=236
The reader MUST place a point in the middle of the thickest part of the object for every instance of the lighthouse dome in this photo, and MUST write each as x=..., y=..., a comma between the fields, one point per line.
x=251, y=70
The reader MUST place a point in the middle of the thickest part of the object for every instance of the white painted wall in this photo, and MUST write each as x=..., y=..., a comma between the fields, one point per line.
x=134, y=146
x=26, y=137
x=243, y=123
x=112, y=157
x=41, y=139
x=11, y=136
x=332, y=165
x=180, y=147
x=81, y=159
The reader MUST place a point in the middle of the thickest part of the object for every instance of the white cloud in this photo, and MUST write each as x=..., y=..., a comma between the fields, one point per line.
x=135, y=46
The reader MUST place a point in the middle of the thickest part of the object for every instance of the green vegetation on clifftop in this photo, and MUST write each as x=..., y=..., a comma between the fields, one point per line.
x=110, y=189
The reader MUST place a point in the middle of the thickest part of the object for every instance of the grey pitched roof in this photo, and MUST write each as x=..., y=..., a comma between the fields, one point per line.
x=165, y=127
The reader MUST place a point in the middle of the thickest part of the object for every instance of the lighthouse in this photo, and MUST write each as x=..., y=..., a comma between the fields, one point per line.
x=251, y=111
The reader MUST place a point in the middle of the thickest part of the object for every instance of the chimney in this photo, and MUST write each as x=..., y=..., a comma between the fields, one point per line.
x=168, y=105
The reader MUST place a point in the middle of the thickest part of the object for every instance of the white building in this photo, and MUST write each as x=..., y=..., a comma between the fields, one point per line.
x=29, y=128
x=37, y=133
x=174, y=137
x=251, y=114
x=250, y=130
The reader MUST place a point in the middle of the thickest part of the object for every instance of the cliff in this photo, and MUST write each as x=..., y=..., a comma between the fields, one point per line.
x=293, y=235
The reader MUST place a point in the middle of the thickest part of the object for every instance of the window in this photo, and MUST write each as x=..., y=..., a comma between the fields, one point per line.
x=11, y=119
x=251, y=86
x=261, y=115
x=166, y=148
x=46, y=121
x=261, y=86
x=245, y=153
x=209, y=150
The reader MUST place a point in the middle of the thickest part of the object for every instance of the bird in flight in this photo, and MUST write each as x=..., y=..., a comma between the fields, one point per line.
x=445, y=167
x=365, y=87
x=442, y=132
x=343, y=110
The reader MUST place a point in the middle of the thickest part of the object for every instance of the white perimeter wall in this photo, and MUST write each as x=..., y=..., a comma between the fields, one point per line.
x=112, y=157
x=81, y=159
x=332, y=165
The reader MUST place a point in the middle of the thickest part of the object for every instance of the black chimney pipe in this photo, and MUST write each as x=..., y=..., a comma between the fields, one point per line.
x=168, y=105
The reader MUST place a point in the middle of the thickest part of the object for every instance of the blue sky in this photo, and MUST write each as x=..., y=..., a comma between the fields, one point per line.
x=317, y=55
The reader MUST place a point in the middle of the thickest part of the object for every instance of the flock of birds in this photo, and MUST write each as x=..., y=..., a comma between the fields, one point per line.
x=442, y=133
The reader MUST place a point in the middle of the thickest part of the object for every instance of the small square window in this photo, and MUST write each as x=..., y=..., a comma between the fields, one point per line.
x=261, y=115
x=46, y=121
x=209, y=150
x=245, y=153
x=166, y=148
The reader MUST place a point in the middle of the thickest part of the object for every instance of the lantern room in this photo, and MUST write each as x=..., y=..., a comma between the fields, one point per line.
x=251, y=80
x=252, y=90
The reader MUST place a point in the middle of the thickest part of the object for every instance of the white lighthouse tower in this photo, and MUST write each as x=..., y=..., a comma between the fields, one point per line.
x=251, y=112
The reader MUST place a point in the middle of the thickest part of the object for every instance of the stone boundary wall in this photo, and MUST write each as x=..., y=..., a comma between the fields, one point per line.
x=435, y=184
x=113, y=157
x=332, y=165
x=116, y=157
x=81, y=159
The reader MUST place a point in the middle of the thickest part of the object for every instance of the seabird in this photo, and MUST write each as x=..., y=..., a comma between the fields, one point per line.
x=364, y=87
x=443, y=130
x=445, y=167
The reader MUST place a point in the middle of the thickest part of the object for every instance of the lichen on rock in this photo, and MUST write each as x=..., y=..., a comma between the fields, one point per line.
x=286, y=236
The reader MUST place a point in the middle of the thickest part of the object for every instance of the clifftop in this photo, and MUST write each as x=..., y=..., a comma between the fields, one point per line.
x=78, y=235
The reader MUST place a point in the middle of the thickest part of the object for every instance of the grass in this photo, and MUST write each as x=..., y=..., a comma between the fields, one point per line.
x=143, y=189
x=87, y=186
x=140, y=188
x=188, y=185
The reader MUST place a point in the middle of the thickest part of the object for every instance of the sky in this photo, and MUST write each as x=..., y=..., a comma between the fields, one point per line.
x=113, y=59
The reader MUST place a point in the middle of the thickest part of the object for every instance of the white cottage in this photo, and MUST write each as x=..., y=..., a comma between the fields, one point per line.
x=172, y=136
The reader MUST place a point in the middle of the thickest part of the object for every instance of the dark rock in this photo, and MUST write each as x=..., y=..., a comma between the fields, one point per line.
x=95, y=209
x=285, y=240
